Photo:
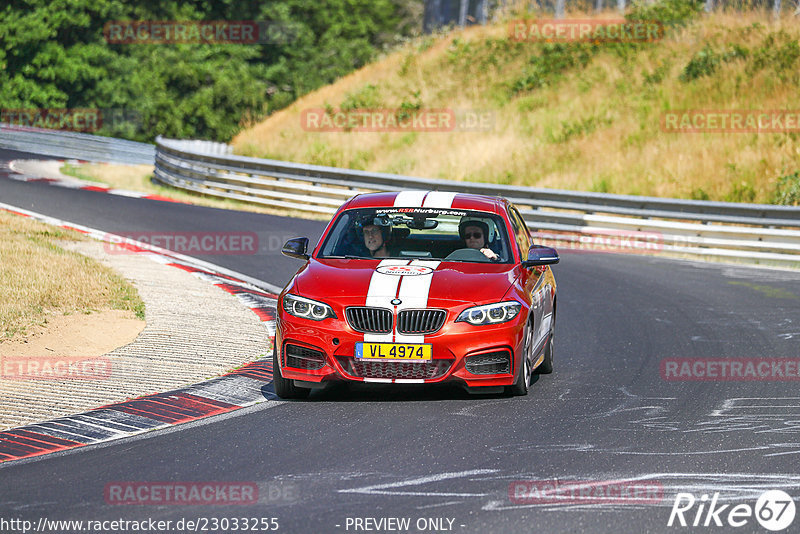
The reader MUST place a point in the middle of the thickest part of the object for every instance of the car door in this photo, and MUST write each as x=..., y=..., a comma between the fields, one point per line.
x=532, y=280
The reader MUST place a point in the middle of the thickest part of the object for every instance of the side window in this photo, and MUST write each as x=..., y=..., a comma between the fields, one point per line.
x=521, y=233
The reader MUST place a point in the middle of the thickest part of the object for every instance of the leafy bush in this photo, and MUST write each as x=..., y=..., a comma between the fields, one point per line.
x=707, y=61
x=778, y=52
x=600, y=185
x=577, y=128
x=658, y=74
x=480, y=56
x=704, y=63
x=368, y=97
x=407, y=109
x=547, y=66
x=741, y=192
x=668, y=12
x=787, y=191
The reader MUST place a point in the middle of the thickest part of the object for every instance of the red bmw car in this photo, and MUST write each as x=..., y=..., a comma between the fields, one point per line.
x=418, y=287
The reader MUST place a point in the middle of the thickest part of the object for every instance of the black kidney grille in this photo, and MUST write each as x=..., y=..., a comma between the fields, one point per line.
x=420, y=321
x=369, y=320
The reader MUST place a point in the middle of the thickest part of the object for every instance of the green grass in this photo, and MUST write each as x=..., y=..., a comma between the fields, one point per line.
x=76, y=172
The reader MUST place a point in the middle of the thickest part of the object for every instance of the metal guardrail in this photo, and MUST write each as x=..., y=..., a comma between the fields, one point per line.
x=198, y=146
x=751, y=232
x=754, y=232
x=73, y=145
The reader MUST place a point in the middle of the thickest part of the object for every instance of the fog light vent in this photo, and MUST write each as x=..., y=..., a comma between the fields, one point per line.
x=490, y=363
x=304, y=358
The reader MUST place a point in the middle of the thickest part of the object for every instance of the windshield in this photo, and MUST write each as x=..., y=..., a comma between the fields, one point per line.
x=409, y=233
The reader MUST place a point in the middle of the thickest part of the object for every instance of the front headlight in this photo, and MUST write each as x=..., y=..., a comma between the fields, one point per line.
x=307, y=308
x=490, y=313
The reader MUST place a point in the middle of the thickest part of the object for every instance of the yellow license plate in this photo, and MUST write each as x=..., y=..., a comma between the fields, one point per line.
x=408, y=352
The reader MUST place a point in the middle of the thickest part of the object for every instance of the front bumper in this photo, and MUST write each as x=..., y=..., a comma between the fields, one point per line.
x=312, y=351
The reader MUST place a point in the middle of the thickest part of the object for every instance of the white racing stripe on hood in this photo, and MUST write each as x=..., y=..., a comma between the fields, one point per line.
x=439, y=199
x=382, y=289
x=410, y=199
x=414, y=292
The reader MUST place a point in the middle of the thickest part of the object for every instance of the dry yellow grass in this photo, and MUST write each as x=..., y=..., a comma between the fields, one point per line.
x=138, y=178
x=540, y=137
x=38, y=278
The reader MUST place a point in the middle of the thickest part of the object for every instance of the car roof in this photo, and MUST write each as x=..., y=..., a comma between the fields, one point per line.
x=460, y=201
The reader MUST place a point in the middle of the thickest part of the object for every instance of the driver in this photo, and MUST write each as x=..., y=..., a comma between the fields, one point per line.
x=475, y=235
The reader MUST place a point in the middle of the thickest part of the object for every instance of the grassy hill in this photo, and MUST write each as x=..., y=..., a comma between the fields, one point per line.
x=582, y=116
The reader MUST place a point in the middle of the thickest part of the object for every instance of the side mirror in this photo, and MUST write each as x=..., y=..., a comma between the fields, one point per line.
x=540, y=255
x=296, y=248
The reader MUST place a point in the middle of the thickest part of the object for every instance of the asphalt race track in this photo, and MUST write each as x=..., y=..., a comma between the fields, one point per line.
x=444, y=460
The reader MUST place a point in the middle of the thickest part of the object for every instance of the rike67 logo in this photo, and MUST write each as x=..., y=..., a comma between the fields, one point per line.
x=774, y=510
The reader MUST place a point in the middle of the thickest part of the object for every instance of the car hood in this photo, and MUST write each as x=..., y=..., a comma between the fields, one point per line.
x=367, y=282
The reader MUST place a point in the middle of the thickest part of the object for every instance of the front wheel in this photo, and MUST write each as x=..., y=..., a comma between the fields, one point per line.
x=520, y=386
x=284, y=388
x=546, y=367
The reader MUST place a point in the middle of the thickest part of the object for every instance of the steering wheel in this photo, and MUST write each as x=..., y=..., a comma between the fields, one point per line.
x=467, y=254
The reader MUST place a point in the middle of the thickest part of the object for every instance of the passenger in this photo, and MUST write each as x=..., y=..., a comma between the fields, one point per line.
x=374, y=241
x=475, y=235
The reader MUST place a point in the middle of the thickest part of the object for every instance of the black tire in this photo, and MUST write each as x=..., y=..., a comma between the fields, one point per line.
x=520, y=387
x=546, y=367
x=284, y=388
